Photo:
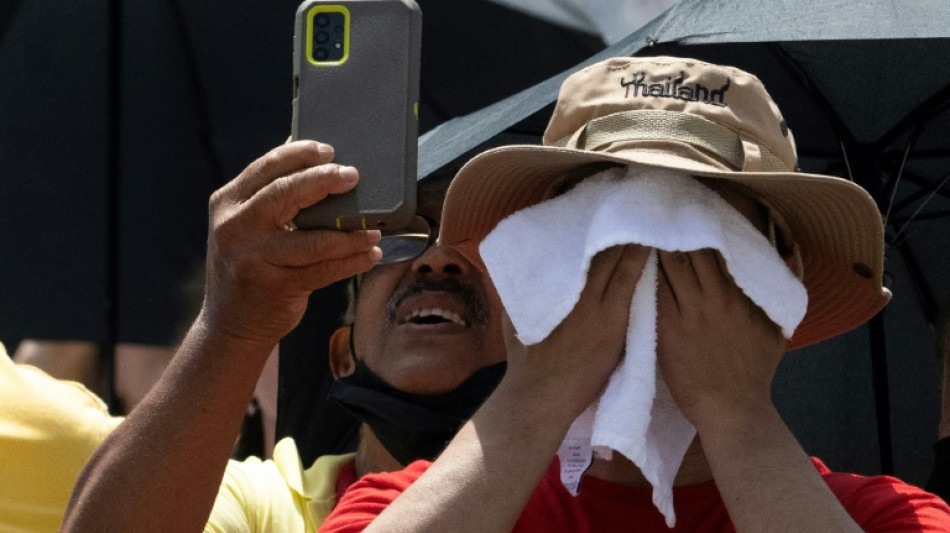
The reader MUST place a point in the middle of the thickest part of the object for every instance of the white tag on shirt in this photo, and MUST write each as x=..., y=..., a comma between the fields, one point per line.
x=575, y=451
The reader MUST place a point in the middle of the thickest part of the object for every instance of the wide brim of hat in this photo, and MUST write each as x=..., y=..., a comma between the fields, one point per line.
x=834, y=222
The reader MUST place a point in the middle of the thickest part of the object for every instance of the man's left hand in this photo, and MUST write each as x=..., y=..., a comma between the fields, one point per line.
x=716, y=349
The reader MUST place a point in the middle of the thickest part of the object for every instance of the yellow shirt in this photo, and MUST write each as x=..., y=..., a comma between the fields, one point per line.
x=48, y=429
x=277, y=495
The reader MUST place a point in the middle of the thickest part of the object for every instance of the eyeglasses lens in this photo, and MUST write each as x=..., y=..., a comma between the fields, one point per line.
x=406, y=243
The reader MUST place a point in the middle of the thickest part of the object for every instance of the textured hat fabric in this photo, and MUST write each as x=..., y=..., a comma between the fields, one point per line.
x=711, y=121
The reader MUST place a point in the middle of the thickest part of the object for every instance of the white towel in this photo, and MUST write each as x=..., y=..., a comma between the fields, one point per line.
x=538, y=259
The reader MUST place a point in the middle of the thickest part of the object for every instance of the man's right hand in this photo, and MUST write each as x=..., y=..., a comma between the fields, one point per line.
x=259, y=278
x=569, y=369
x=260, y=272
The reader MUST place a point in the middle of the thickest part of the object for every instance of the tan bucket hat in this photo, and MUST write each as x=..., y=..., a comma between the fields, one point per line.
x=710, y=121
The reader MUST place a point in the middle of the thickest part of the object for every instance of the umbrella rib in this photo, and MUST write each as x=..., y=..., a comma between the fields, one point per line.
x=921, y=206
x=847, y=162
x=910, y=199
x=897, y=181
x=113, y=242
x=914, y=122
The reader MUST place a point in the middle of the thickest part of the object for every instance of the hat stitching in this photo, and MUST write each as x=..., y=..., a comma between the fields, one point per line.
x=677, y=89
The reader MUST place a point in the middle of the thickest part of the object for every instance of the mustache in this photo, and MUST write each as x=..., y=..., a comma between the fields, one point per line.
x=470, y=298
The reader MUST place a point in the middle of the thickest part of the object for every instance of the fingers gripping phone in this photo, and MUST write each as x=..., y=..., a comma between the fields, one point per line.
x=356, y=87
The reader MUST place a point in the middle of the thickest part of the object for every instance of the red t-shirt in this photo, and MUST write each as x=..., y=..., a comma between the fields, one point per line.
x=344, y=478
x=878, y=503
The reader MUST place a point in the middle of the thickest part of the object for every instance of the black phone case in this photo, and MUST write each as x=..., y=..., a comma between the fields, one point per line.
x=364, y=104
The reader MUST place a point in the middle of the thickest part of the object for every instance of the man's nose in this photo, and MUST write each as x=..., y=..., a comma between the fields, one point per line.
x=441, y=261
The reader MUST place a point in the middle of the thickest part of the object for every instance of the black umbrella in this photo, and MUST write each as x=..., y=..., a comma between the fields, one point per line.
x=864, y=86
x=118, y=119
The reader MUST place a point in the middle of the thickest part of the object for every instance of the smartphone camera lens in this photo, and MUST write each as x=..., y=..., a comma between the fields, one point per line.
x=329, y=36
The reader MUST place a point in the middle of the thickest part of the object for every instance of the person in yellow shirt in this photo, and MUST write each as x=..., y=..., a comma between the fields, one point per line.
x=48, y=429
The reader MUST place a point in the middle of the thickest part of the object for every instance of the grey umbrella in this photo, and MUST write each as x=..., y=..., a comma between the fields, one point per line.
x=865, y=87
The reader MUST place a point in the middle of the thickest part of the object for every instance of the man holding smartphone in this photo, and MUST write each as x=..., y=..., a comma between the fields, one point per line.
x=425, y=322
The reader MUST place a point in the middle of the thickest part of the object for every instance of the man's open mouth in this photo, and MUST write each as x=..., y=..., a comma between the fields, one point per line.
x=433, y=301
x=434, y=316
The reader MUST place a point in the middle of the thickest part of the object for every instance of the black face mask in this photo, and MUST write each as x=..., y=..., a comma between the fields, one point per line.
x=413, y=426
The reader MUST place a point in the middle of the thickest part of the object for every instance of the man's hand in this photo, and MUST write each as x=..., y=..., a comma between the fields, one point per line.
x=260, y=274
x=716, y=349
x=259, y=271
x=573, y=363
x=718, y=353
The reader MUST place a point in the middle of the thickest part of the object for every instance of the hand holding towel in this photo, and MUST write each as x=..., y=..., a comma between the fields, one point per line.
x=538, y=259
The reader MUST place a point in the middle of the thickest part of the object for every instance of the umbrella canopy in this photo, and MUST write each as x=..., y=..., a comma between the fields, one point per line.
x=865, y=88
x=117, y=121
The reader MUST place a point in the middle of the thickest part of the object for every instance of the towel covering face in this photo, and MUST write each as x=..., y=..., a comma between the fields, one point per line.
x=539, y=257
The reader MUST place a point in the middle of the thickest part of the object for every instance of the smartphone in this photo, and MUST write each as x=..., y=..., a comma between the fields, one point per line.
x=356, y=87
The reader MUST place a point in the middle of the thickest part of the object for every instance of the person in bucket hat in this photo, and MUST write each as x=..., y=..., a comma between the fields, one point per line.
x=658, y=119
